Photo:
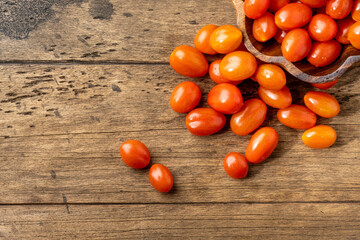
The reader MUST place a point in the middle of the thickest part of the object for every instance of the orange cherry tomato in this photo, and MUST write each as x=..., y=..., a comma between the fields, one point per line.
x=189, y=61
x=215, y=75
x=270, y=76
x=256, y=8
x=338, y=9
x=135, y=154
x=343, y=30
x=322, y=103
x=276, y=98
x=185, y=97
x=296, y=45
x=297, y=117
x=314, y=3
x=325, y=86
x=293, y=15
x=280, y=35
x=355, y=13
x=225, y=98
x=249, y=118
x=354, y=35
x=264, y=27
x=322, y=28
x=321, y=136
x=238, y=66
x=161, y=178
x=202, y=39
x=226, y=39
x=204, y=121
x=324, y=53
x=277, y=4
x=236, y=165
x=261, y=145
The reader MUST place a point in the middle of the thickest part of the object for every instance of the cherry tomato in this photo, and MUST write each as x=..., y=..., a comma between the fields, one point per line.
x=322, y=103
x=325, y=86
x=215, y=75
x=189, y=61
x=293, y=15
x=314, y=3
x=204, y=121
x=355, y=13
x=277, y=4
x=338, y=9
x=249, y=118
x=343, y=30
x=296, y=45
x=135, y=154
x=226, y=39
x=161, y=178
x=202, y=39
x=225, y=98
x=237, y=66
x=321, y=136
x=236, y=165
x=322, y=28
x=276, y=98
x=324, y=53
x=185, y=97
x=256, y=8
x=297, y=117
x=261, y=145
x=264, y=27
x=354, y=35
x=280, y=35
x=270, y=76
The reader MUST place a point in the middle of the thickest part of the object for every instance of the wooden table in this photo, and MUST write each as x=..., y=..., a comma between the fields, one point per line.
x=78, y=78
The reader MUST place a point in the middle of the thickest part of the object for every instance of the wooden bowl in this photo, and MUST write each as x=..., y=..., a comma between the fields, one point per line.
x=270, y=52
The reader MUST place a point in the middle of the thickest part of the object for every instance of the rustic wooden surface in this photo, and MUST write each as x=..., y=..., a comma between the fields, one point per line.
x=79, y=77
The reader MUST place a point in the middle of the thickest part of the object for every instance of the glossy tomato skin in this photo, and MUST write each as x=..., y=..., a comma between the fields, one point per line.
x=226, y=39
x=270, y=76
x=355, y=13
x=238, y=66
x=314, y=3
x=256, y=8
x=322, y=28
x=296, y=45
x=185, y=97
x=215, y=75
x=277, y=4
x=161, y=178
x=280, y=35
x=135, y=154
x=202, y=39
x=189, y=61
x=324, y=53
x=322, y=103
x=264, y=27
x=293, y=15
x=343, y=30
x=338, y=9
x=236, y=165
x=325, y=86
x=204, y=121
x=225, y=98
x=297, y=117
x=249, y=118
x=320, y=136
x=276, y=98
x=354, y=35
x=261, y=145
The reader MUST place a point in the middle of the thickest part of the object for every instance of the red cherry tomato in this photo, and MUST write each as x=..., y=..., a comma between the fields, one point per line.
x=338, y=9
x=185, y=97
x=324, y=53
x=264, y=27
x=226, y=39
x=280, y=35
x=354, y=35
x=215, y=75
x=296, y=45
x=276, y=98
x=322, y=28
x=314, y=3
x=202, y=39
x=325, y=86
x=256, y=8
x=270, y=76
x=249, y=118
x=261, y=145
x=161, y=178
x=204, y=121
x=322, y=103
x=297, y=117
x=189, y=61
x=343, y=30
x=355, y=13
x=321, y=136
x=238, y=66
x=293, y=15
x=235, y=165
x=225, y=98
x=277, y=4
x=135, y=154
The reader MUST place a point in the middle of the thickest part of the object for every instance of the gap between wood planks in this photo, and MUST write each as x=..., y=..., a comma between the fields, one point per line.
x=79, y=62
